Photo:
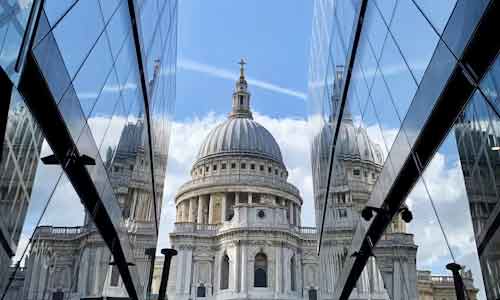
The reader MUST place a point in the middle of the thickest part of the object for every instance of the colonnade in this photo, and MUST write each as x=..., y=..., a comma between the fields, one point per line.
x=216, y=207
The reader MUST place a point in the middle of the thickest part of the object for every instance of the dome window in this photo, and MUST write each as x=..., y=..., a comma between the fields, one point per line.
x=243, y=165
x=252, y=166
x=214, y=167
x=223, y=166
x=356, y=172
x=207, y=169
x=276, y=172
x=262, y=167
x=233, y=166
x=270, y=170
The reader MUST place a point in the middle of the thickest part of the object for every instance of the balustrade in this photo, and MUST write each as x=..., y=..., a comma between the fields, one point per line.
x=212, y=229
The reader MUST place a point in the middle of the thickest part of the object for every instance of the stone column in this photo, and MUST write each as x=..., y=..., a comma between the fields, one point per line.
x=183, y=205
x=194, y=209
x=278, y=274
x=250, y=198
x=236, y=197
x=244, y=268
x=238, y=268
x=200, y=210
x=290, y=209
x=179, y=269
x=297, y=213
x=189, y=266
x=210, y=209
x=177, y=213
x=223, y=208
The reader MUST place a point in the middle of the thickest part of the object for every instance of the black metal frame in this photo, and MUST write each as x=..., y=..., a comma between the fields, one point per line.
x=340, y=112
x=477, y=57
x=135, y=21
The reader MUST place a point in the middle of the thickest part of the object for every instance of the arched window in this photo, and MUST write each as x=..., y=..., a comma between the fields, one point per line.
x=260, y=270
x=224, y=272
x=313, y=295
x=292, y=273
x=201, y=291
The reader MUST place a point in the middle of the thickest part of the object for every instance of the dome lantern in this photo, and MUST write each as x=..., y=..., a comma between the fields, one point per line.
x=241, y=96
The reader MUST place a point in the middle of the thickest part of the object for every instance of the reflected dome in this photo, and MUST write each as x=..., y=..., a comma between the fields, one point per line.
x=353, y=143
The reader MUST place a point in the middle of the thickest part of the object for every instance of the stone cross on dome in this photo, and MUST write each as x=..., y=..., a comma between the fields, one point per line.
x=242, y=64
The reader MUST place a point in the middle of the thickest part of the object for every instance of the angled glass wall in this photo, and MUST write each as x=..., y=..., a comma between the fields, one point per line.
x=385, y=89
x=94, y=82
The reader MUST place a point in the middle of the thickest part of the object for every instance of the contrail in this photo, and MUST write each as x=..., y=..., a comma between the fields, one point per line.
x=190, y=65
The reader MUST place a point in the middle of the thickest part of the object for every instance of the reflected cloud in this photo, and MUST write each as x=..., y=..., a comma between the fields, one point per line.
x=112, y=88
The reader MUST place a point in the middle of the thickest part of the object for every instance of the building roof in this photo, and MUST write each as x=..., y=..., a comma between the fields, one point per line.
x=240, y=134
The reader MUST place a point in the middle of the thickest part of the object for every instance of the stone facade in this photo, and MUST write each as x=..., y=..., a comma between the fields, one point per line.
x=238, y=228
x=436, y=287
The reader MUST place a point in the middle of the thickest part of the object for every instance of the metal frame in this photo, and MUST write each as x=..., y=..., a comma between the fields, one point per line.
x=466, y=74
x=139, y=50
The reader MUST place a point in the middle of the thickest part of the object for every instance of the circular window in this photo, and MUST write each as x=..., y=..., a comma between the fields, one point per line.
x=261, y=214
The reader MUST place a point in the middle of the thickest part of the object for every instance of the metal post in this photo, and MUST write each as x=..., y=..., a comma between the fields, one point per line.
x=150, y=252
x=457, y=279
x=169, y=253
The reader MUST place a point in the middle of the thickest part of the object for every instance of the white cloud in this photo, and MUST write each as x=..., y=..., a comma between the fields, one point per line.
x=291, y=134
x=190, y=65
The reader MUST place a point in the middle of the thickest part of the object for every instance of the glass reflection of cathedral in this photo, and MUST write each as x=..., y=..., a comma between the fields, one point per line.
x=358, y=163
x=392, y=272
x=74, y=261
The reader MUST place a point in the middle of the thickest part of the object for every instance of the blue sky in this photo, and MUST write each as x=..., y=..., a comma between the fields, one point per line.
x=273, y=36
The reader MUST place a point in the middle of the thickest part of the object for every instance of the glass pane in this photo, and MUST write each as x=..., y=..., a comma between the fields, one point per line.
x=414, y=37
x=397, y=77
x=75, y=51
x=119, y=26
x=104, y=108
x=56, y=9
x=14, y=18
x=438, y=12
x=89, y=81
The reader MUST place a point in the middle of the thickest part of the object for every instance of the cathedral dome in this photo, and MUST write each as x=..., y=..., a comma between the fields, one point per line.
x=353, y=143
x=240, y=134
